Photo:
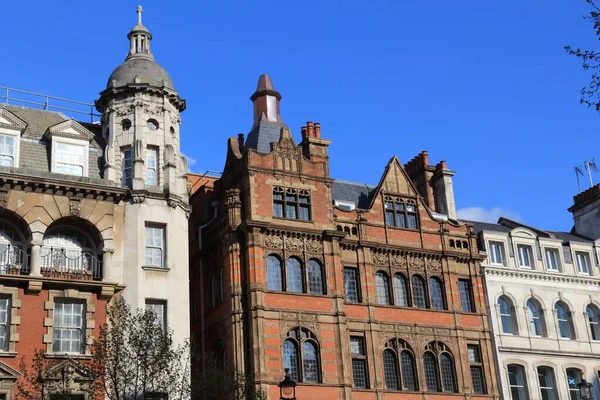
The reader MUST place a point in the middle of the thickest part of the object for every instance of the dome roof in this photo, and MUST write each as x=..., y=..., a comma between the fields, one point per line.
x=145, y=68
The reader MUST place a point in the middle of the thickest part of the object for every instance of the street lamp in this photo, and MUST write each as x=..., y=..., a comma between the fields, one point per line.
x=287, y=387
x=585, y=390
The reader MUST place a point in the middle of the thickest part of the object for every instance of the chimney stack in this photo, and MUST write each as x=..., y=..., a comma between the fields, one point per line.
x=443, y=191
x=586, y=212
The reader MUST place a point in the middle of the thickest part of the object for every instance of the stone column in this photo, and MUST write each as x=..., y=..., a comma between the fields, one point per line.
x=107, y=263
x=35, y=263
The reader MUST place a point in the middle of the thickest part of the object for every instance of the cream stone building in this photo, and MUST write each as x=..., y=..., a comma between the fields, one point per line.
x=542, y=291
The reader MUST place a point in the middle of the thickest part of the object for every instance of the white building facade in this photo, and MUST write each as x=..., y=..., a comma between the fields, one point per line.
x=544, y=304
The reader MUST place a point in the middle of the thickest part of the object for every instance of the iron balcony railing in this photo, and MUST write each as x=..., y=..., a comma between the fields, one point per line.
x=13, y=260
x=57, y=263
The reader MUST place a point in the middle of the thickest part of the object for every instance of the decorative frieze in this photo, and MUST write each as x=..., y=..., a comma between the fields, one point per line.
x=291, y=320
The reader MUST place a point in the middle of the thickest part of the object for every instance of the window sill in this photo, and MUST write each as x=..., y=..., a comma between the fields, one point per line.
x=74, y=356
x=306, y=221
x=11, y=354
x=151, y=268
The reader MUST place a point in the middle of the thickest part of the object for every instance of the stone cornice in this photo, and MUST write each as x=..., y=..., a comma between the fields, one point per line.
x=539, y=276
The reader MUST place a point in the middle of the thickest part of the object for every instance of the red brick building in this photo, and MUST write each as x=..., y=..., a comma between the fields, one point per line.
x=363, y=292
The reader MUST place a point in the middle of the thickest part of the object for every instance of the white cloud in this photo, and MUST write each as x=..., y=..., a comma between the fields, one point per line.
x=191, y=161
x=485, y=214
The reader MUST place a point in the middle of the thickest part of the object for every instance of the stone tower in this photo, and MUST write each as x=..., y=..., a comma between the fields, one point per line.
x=140, y=124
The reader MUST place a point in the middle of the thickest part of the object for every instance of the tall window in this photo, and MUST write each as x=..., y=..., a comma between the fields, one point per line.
x=4, y=323
x=574, y=376
x=315, y=277
x=69, y=159
x=436, y=291
x=294, y=275
x=155, y=246
x=536, y=321
x=127, y=166
x=382, y=287
x=12, y=245
x=159, y=308
x=552, y=260
x=301, y=356
x=476, y=368
x=351, y=285
x=152, y=166
x=399, y=368
x=418, y=291
x=401, y=290
x=497, y=253
x=7, y=150
x=68, y=328
x=517, y=382
x=583, y=263
x=563, y=318
x=359, y=362
x=439, y=370
x=466, y=295
x=547, y=383
x=525, y=259
x=274, y=275
x=507, y=315
x=68, y=250
x=400, y=213
x=291, y=203
x=594, y=320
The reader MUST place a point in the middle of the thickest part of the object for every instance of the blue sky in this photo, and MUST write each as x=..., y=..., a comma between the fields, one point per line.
x=485, y=86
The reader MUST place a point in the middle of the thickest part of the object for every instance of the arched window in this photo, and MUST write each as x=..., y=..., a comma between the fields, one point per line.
x=399, y=366
x=574, y=376
x=594, y=320
x=274, y=275
x=67, y=250
x=563, y=317
x=536, y=320
x=315, y=277
x=418, y=291
x=13, y=257
x=401, y=290
x=507, y=315
x=382, y=287
x=301, y=356
x=517, y=382
x=438, y=363
x=547, y=383
x=294, y=275
x=436, y=291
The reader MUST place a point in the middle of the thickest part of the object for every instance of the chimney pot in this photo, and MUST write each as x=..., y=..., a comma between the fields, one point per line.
x=241, y=141
x=317, y=130
x=303, y=130
x=310, y=129
x=425, y=157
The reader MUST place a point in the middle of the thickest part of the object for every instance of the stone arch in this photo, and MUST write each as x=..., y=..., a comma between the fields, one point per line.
x=82, y=225
x=16, y=221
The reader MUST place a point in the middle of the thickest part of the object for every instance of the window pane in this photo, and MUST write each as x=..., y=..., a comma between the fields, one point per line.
x=401, y=290
x=290, y=211
x=389, y=218
x=564, y=320
x=69, y=159
x=594, y=321
x=477, y=380
x=382, y=288
x=546, y=382
x=431, y=377
x=496, y=253
x=437, y=294
x=408, y=371
x=315, y=277
x=535, y=321
x=359, y=373
x=274, y=281
x=294, y=275
x=465, y=295
x=418, y=288
x=573, y=378
x=278, y=210
x=412, y=221
x=304, y=213
x=506, y=315
x=447, y=371
x=524, y=256
x=357, y=346
x=290, y=359
x=473, y=353
x=309, y=356
x=351, y=284
x=516, y=380
x=400, y=221
x=583, y=263
x=552, y=259
x=67, y=327
x=390, y=370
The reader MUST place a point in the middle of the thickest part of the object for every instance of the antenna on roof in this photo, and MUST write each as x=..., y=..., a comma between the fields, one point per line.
x=578, y=172
x=590, y=165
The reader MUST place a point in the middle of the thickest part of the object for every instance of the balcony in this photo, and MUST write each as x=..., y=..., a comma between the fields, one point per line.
x=13, y=260
x=61, y=263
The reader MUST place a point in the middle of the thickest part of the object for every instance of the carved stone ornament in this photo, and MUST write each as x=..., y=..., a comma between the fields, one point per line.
x=139, y=148
x=290, y=320
x=75, y=207
x=138, y=198
x=174, y=119
x=289, y=316
x=399, y=261
x=416, y=262
x=380, y=259
x=387, y=328
x=274, y=241
x=294, y=244
x=434, y=264
x=425, y=330
x=233, y=198
x=3, y=198
x=169, y=155
x=314, y=246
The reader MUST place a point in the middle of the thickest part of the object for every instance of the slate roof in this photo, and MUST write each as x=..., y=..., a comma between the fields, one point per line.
x=262, y=135
x=487, y=226
x=570, y=237
x=38, y=121
x=358, y=193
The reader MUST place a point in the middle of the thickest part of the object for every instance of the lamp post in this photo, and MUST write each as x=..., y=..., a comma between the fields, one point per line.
x=585, y=390
x=287, y=387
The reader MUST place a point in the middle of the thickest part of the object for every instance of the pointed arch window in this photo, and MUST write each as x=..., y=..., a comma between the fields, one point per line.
x=399, y=366
x=440, y=374
x=294, y=275
x=390, y=370
x=507, y=315
x=382, y=288
x=274, y=273
x=315, y=277
x=301, y=356
x=536, y=318
x=594, y=321
x=418, y=291
x=563, y=318
x=436, y=291
x=401, y=290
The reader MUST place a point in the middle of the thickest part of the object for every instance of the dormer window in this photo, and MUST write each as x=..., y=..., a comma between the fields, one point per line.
x=8, y=150
x=152, y=124
x=11, y=128
x=583, y=263
x=70, y=159
x=525, y=257
x=291, y=203
x=400, y=213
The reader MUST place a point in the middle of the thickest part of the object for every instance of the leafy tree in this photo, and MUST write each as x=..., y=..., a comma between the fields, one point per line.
x=590, y=94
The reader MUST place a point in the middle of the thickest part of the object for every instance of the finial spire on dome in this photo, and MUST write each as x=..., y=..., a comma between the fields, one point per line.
x=139, y=13
x=139, y=38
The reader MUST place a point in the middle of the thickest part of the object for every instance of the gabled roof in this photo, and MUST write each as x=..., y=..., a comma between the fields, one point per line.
x=38, y=121
x=69, y=129
x=358, y=193
x=262, y=135
x=10, y=120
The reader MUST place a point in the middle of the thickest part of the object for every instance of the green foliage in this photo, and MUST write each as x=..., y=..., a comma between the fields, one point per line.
x=590, y=94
